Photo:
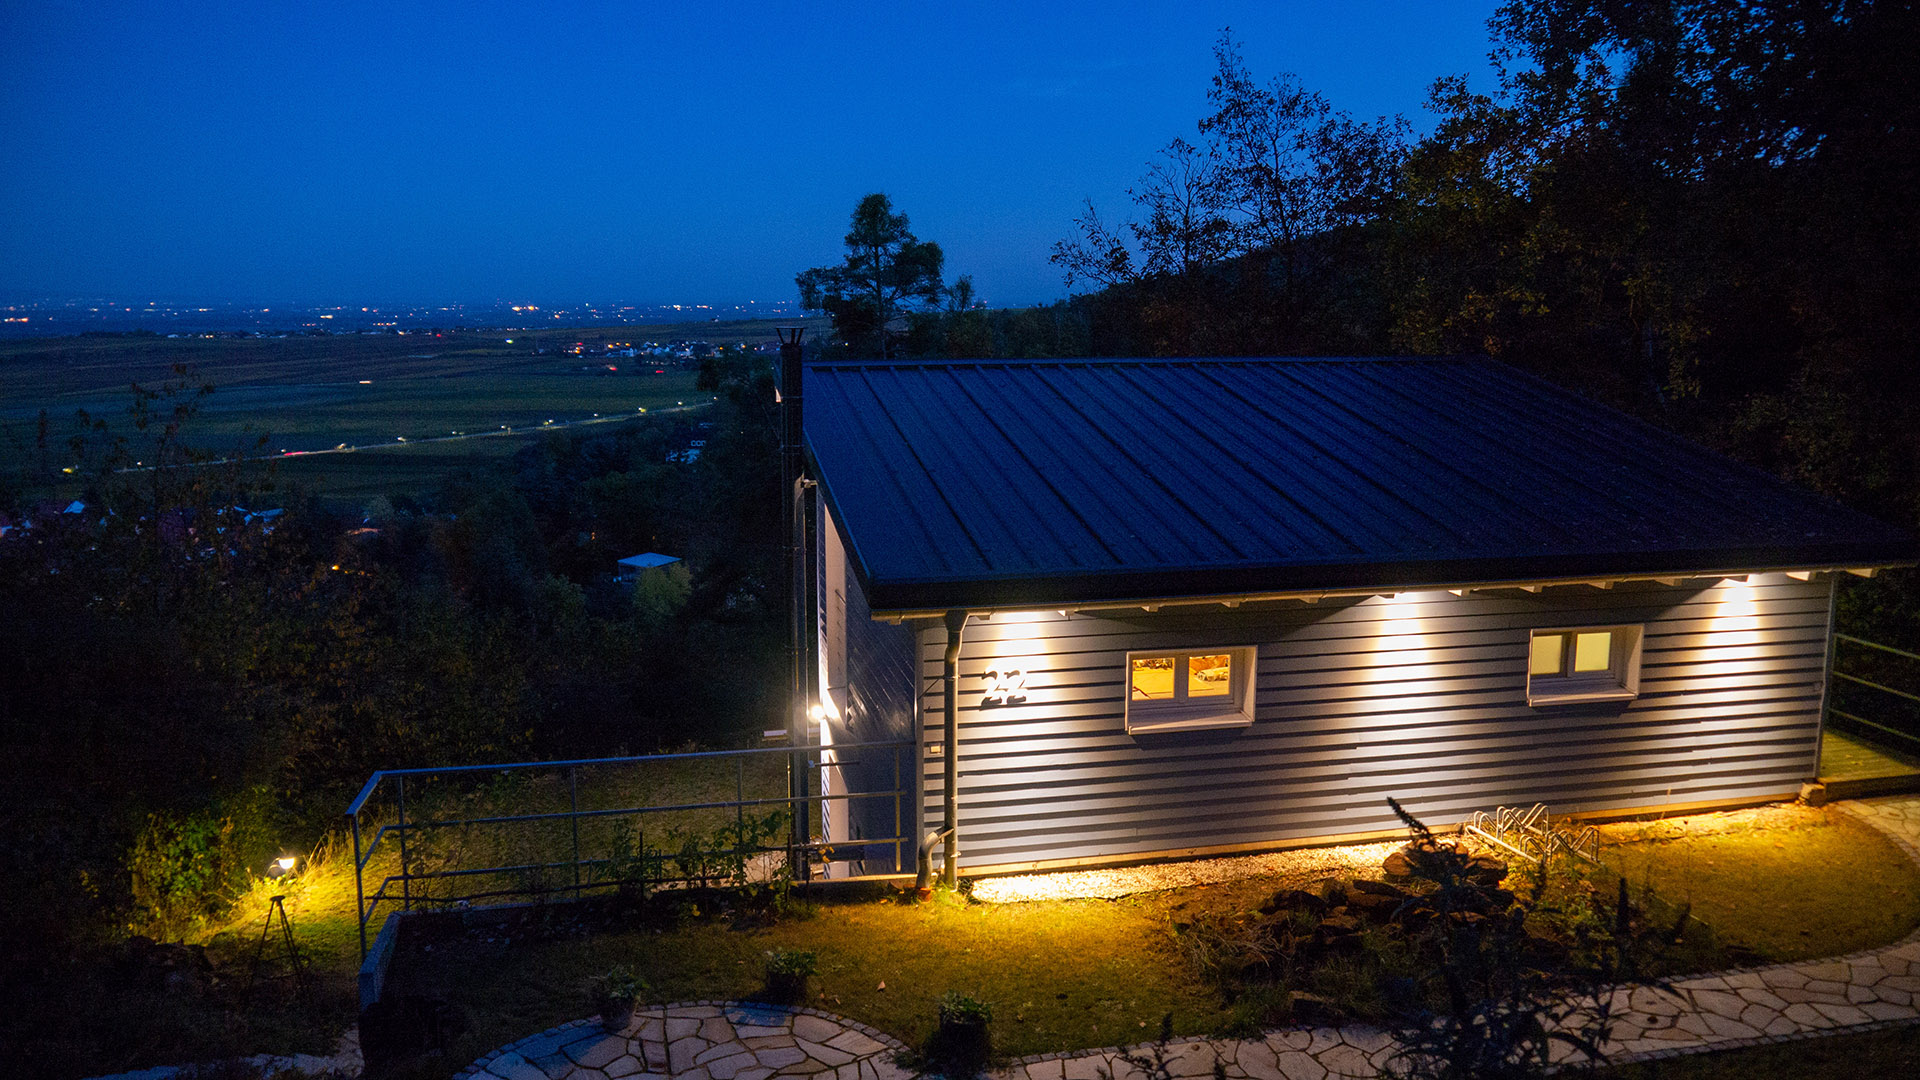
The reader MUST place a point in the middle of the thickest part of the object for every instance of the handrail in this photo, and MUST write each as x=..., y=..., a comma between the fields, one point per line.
x=1899, y=716
x=1876, y=645
x=813, y=756
x=1876, y=686
x=373, y=781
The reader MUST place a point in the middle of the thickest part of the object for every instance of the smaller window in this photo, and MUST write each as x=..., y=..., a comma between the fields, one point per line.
x=1184, y=691
x=1588, y=663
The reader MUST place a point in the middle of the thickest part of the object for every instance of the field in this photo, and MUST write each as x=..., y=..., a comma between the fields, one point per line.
x=380, y=397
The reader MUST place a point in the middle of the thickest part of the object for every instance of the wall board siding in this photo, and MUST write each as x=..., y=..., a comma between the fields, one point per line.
x=879, y=703
x=1421, y=697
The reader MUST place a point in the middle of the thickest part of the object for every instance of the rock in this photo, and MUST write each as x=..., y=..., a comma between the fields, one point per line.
x=1379, y=888
x=1293, y=900
x=1485, y=870
x=1416, y=859
x=1374, y=906
x=1338, y=925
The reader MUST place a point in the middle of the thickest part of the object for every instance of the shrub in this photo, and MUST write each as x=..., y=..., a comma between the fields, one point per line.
x=615, y=994
x=964, y=1009
x=960, y=1045
x=186, y=869
x=793, y=962
x=788, y=971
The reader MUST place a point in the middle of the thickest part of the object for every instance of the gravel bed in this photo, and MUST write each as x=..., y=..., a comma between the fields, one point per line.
x=1302, y=864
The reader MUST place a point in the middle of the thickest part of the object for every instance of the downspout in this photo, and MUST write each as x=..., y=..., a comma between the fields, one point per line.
x=792, y=469
x=956, y=626
x=949, y=835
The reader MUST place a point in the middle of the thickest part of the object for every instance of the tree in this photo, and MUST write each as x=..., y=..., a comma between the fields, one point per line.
x=1241, y=238
x=1290, y=165
x=887, y=273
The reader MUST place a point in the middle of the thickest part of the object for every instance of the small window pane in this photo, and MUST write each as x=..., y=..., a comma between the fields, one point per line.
x=1593, y=652
x=1152, y=678
x=1210, y=675
x=1547, y=649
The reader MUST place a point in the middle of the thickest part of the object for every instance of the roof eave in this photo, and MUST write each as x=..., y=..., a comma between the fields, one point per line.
x=894, y=601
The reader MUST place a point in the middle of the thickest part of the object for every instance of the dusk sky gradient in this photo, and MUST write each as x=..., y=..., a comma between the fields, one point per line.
x=644, y=152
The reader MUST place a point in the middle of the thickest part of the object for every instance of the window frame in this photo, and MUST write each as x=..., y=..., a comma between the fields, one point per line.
x=1225, y=712
x=1619, y=682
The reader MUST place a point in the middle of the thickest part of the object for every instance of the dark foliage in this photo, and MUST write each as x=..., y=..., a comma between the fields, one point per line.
x=191, y=685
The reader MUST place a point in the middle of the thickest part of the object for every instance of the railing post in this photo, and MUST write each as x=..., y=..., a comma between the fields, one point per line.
x=573, y=819
x=406, y=871
x=359, y=887
x=898, y=865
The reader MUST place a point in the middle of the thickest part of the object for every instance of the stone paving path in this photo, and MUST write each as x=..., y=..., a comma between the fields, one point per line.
x=701, y=1040
x=727, y=1041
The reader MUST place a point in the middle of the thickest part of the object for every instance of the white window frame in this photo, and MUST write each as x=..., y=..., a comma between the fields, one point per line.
x=1619, y=682
x=1233, y=710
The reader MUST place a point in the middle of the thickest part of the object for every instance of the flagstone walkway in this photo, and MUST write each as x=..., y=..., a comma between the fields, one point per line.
x=1864, y=991
x=702, y=1040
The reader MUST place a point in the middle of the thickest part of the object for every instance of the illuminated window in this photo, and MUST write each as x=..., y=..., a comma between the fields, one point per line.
x=1587, y=663
x=1186, y=691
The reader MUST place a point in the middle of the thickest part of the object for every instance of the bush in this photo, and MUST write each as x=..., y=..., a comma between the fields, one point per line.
x=615, y=994
x=787, y=973
x=187, y=869
x=961, y=1045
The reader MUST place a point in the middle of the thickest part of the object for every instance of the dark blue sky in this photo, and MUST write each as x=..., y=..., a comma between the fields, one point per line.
x=649, y=152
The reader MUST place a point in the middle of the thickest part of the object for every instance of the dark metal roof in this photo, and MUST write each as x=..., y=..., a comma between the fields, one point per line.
x=981, y=484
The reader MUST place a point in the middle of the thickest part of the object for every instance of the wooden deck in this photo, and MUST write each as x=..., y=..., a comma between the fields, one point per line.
x=1852, y=767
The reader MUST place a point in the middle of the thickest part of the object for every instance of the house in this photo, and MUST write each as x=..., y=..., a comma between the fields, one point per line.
x=633, y=566
x=1131, y=609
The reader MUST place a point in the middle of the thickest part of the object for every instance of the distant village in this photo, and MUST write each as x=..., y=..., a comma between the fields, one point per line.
x=662, y=355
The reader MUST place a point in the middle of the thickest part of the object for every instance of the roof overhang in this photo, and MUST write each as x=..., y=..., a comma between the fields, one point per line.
x=936, y=599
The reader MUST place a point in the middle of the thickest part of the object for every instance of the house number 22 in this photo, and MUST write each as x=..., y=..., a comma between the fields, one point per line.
x=1005, y=686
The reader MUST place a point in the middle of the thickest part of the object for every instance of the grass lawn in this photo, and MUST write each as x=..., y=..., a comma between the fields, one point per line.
x=1074, y=974
x=1785, y=882
x=1061, y=975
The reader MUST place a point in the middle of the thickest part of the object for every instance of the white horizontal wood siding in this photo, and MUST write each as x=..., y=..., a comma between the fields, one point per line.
x=1421, y=697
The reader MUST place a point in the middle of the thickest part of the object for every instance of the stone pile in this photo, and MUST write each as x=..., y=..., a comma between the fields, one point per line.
x=1310, y=924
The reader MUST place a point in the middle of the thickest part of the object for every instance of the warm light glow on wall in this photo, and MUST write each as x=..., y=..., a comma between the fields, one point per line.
x=1736, y=613
x=1010, y=655
x=1403, y=645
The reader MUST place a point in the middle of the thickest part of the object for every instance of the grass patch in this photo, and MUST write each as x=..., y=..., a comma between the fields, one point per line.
x=1057, y=975
x=1783, y=882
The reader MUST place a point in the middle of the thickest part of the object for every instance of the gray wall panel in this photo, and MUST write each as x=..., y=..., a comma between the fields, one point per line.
x=1421, y=696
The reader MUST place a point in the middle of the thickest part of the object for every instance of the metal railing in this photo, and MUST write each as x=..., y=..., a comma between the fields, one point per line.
x=1905, y=719
x=718, y=839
